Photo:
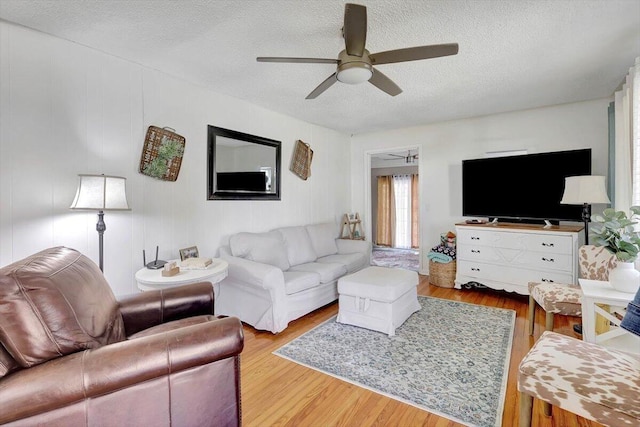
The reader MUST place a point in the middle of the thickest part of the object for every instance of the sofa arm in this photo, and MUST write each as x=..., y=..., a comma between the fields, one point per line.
x=147, y=309
x=254, y=273
x=93, y=373
x=347, y=246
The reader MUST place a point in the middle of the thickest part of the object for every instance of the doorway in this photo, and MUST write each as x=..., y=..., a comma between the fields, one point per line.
x=393, y=204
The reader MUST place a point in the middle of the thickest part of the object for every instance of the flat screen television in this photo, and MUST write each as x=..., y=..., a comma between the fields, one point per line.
x=524, y=188
x=242, y=181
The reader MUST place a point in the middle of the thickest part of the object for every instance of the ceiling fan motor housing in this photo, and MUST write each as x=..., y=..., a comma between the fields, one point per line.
x=354, y=69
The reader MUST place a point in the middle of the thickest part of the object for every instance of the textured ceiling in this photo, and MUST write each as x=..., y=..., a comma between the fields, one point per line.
x=514, y=54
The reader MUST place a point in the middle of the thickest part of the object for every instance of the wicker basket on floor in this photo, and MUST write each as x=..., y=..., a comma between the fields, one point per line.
x=442, y=274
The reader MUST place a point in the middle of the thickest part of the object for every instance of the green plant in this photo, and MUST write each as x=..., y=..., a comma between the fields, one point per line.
x=167, y=151
x=617, y=233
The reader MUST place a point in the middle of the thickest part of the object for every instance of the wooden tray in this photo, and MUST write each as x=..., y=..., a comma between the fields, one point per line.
x=301, y=160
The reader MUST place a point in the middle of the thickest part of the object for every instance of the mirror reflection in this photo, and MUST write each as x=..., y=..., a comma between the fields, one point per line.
x=242, y=166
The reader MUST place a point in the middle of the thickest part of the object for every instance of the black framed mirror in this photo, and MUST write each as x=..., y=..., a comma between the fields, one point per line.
x=242, y=166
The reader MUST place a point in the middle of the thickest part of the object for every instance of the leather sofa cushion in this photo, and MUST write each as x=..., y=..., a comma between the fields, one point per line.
x=298, y=281
x=7, y=363
x=54, y=303
x=298, y=245
x=328, y=272
x=323, y=238
x=267, y=248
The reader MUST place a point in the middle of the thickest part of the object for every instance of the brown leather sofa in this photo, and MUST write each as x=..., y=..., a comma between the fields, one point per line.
x=71, y=355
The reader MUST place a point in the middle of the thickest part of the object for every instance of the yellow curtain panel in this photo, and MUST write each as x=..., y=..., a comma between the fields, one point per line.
x=385, y=211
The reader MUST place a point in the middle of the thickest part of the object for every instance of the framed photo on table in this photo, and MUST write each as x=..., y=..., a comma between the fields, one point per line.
x=190, y=252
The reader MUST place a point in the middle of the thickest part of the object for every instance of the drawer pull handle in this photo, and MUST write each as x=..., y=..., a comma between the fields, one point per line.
x=475, y=238
x=475, y=269
x=547, y=280
x=550, y=245
x=548, y=259
x=475, y=251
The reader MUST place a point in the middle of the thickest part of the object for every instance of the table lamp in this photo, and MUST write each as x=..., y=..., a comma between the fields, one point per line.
x=101, y=193
x=585, y=190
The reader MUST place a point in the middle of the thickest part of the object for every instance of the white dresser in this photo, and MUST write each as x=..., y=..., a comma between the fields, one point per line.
x=509, y=256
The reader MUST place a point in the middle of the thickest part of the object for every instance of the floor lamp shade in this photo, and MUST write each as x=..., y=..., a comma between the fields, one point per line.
x=101, y=193
x=585, y=190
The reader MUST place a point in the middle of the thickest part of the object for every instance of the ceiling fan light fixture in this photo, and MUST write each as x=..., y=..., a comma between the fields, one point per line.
x=354, y=72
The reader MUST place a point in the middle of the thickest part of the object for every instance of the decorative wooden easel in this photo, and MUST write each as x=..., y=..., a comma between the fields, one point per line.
x=351, y=228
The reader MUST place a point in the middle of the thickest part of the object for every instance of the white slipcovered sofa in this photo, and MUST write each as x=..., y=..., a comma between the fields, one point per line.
x=281, y=275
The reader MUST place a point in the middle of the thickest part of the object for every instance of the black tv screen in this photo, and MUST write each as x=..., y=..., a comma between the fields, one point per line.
x=242, y=181
x=525, y=187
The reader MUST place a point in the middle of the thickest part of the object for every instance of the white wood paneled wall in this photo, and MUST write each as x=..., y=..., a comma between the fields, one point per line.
x=444, y=145
x=67, y=109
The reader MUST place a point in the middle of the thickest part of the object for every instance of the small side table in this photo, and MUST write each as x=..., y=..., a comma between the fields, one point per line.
x=600, y=299
x=153, y=279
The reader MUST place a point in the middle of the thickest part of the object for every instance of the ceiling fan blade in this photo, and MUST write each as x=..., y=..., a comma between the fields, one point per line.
x=296, y=60
x=355, y=28
x=323, y=86
x=413, y=53
x=384, y=83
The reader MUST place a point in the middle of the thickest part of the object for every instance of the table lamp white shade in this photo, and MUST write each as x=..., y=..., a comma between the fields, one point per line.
x=588, y=189
x=101, y=192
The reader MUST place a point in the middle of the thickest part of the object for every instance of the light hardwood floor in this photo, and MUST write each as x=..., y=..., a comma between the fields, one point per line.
x=277, y=392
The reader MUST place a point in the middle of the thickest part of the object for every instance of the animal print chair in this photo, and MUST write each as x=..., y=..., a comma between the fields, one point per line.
x=584, y=378
x=580, y=377
x=595, y=262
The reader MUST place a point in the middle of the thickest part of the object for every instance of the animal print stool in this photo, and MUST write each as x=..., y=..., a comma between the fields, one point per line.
x=584, y=378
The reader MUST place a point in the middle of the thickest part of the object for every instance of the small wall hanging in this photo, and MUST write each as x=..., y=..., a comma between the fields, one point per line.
x=301, y=160
x=162, y=153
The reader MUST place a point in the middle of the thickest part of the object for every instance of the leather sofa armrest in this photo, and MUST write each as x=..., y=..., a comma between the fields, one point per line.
x=147, y=309
x=96, y=372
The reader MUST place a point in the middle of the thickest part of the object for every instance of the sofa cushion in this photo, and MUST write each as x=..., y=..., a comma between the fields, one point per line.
x=267, y=248
x=298, y=245
x=323, y=238
x=353, y=262
x=297, y=281
x=328, y=272
x=54, y=303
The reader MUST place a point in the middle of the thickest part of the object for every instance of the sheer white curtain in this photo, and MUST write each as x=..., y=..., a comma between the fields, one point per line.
x=402, y=196
x=627, y=141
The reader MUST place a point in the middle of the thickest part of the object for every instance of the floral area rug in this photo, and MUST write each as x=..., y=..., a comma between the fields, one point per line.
x=402, y=258
x=449, y=358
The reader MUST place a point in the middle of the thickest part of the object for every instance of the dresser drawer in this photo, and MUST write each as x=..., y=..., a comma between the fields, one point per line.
x=478, y=271
x=478, y=253
x=538, y=242
x=516, y=258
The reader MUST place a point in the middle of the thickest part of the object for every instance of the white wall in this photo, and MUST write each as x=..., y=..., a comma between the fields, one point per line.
x=443, y=146
x=66, y=109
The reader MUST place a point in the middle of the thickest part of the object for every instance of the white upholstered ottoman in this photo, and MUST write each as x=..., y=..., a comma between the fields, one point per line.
x=378, y=298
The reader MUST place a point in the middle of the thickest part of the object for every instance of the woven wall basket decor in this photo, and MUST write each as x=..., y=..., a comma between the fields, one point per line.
x=162, y=153
x=301, y=160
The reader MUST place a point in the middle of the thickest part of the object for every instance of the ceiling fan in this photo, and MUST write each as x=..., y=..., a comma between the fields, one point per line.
x=409, y=158
x=355, y=63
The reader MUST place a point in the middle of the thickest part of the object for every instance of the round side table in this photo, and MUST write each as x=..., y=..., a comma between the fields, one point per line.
x=149, y=280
